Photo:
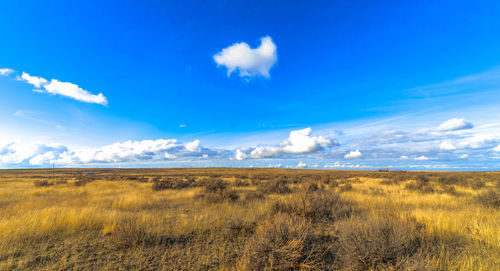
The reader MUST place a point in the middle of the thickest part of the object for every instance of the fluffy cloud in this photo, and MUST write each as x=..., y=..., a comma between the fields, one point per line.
x=298, y=142
x=447, y=146
x=455, y=124
x=353, y=155
x=421, y=158
x=66, y=89
x=497, y=148
x=34, y=154
x=31, y=154
x=5, y=71
x=301, y=141
x=36, y=81
x=193, y=146
x=301, y=165
x=249, y=62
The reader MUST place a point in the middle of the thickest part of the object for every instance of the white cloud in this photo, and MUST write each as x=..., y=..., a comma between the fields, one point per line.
x=497, y=148
x=129, y=151
x=403, y=157
x=30, y=154
x=455, y=124
x=193, y=146
x=249, y=62
x=464, y=156
x=447, y=146
x=74, y=91
x=422, y=158
x=25, y=154
x=182, y=125
x=353, y=155
x=66, y=89
x=298, y=142
x=36, y=81
x=301, y=141
x=6, y=71
x=301, y=165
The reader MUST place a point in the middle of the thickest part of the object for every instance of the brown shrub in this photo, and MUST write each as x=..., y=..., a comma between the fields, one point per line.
x=490, y=198
x=320, y=206
x=254, y=195
x=345, y=187
x=128, y=233
x=275, y=187
x=172, y=183
x=421, y=186
x=240, y=182
x=229, y=195
x=81, y=181
x=61, y=181
x=40, y=183
x=380, y=243
x=216, y=186
x=278, y=244
x=312, y=187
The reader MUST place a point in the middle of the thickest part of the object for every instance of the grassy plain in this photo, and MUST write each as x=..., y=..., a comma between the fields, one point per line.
x=248, y=219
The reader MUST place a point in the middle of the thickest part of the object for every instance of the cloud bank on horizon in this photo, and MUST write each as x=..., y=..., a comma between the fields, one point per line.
x=301, y=149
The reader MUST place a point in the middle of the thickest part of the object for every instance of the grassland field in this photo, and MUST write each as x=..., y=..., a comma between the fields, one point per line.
x=248, y=219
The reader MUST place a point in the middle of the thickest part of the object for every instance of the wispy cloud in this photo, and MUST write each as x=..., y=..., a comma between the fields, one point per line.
x=249, y=62
x=66, y=89
x=5, y=71
x=455, y=124
x=57, y=87
x=36, y=81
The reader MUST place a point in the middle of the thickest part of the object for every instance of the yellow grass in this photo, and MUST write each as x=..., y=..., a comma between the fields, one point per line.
x=56, y=222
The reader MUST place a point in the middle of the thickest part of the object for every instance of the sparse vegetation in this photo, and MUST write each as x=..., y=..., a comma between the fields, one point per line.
x=248, y=219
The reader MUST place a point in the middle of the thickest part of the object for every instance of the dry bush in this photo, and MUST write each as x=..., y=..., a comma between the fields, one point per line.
x=388, y=182
x=453, y=179
x=81, y=181
x=128, y=234
x=450, y=190
x=275, y=187
x=421, y=184
x=238, y=229
x=217, y=197
x=61, y=181
x=254, y=195
x=278, y=244
x=489, y=198
x=240, y=182
x=313, y=187
x=40, y=183
x=319, y=206
x=216, y=191
x=171, y=183
x=380, y=243
x=216, y=186
x=476, y=184
x=345, y=187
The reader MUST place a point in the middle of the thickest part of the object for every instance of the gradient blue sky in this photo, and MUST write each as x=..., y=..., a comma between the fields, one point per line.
x=376, y=78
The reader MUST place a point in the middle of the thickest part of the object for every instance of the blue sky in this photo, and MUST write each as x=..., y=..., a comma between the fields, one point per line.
x=322, y=84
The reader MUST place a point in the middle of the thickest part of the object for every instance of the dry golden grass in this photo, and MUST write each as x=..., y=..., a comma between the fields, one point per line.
x=252, y=219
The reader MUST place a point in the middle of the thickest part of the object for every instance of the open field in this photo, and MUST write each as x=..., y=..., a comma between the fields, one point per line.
x=248, y=219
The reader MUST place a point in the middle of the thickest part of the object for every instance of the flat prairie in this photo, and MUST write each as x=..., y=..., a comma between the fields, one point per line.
x=248, y=219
